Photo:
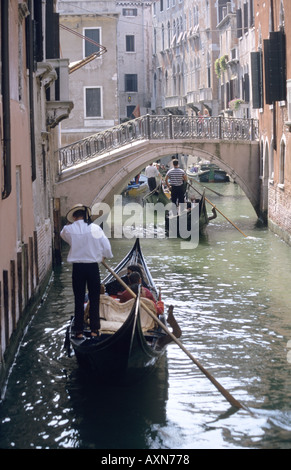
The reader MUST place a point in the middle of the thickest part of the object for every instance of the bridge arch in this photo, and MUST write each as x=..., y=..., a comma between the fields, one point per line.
x=100, y=177
x=134, y=166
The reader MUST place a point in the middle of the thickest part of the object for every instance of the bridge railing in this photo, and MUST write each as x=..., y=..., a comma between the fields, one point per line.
x=151, y=127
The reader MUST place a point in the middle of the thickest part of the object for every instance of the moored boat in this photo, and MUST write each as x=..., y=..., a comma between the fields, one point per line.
x=211, y=173
x=136, y=186
x=192, y=172
x=130, y=342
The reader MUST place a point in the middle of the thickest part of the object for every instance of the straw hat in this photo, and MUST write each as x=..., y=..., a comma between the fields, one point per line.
x=78, y=207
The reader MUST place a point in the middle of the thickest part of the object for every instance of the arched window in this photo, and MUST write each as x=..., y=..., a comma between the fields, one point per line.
x=266, y=162
x=174, y=82
x=169, y=34
x=155, y=41
x=167, y=83
x=261, y=158
x=271, y=164
x=282, y=162
x=178, y=81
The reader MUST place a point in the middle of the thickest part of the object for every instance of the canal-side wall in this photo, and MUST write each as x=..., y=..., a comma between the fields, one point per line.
x=8, y=358
x=30, y=111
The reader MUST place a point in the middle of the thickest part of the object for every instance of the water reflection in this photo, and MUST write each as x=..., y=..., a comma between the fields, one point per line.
x=114, y=417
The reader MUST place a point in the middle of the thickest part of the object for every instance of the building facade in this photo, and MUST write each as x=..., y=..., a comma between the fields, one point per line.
x=185, y=47
x=33, y=100
x=114, y=86
x=88, y=28
x=272, y=91
x=235, y=23
x=134, y=53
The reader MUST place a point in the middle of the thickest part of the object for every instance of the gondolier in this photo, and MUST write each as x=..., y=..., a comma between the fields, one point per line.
x=88, y=247
x=152, y=172
x=175, y=179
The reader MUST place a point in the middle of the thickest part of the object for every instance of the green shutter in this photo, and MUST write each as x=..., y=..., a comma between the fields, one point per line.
x=257, y=79
x=275, y=67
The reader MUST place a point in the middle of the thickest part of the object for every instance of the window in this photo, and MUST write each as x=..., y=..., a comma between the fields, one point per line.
x=289, y=99
x=271, y=164
x=169, y=34
x=129, y=43
x=130, y=82
x=93, y=102
x=129, y=111
x=246, y=18
x=222, y=9
x=93, y=36
x=282, y=163
x=246, y=88
x=19, y=203
x=129, y=11
x=239, y=23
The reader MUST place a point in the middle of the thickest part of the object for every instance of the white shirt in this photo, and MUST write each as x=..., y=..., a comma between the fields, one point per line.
x=151, y=171
x=88, y=243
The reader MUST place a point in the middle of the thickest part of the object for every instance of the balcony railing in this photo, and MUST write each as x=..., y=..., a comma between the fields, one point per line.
x=157, y=127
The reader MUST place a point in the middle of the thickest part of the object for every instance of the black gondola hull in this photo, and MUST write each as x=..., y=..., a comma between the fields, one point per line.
x=125, y=356
x=177, y=224
x=132, y=351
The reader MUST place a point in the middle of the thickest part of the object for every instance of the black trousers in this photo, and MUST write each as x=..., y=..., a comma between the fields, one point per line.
x=177, y=193
x=86, y=274
x=152, y=183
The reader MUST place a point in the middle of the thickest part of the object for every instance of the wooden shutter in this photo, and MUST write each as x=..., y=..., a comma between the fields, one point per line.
x=257, y=79
x=246, y=17
x=239, y=23
x=275, y=67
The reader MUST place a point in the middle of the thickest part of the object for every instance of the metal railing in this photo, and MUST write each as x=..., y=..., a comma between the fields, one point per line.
x=157, y=128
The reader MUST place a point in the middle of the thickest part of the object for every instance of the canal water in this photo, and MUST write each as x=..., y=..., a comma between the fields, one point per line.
x=231, y=298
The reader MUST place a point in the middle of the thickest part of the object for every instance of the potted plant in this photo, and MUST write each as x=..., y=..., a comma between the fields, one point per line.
x=217, y=68
x=223, y=62
x=235, y=104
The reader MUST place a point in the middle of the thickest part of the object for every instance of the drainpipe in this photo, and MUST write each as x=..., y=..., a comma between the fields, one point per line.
x=6, y=99
x=30, y=66
x=274, y=103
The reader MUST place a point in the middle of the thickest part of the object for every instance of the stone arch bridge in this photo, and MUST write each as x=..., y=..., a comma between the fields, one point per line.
x=98, y=167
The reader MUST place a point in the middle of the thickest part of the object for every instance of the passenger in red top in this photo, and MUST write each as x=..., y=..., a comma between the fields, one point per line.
x=134, y=281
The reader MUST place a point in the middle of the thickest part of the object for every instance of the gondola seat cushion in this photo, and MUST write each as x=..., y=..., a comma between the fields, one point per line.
x=113, y=313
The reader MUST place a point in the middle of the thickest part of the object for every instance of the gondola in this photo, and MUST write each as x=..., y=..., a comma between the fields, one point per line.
x=158, y=195
x=184, y=220
x=130, y=343
x=135, y=188
x=211, y=173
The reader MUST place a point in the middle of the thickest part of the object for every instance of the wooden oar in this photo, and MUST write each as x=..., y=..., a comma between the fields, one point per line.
x=213, y=205
x=219, y=387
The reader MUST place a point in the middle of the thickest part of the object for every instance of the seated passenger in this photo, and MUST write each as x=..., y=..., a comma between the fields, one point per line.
x=114, y=287
x=134, y=282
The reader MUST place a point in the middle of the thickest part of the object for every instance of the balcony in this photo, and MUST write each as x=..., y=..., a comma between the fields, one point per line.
x=205, y=94
x=54, y=76
x=193, y=98
x=174, y=104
